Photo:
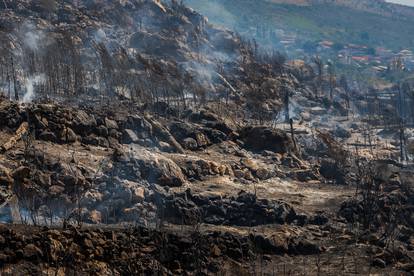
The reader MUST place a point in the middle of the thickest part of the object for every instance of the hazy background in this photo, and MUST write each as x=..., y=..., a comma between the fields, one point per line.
x=403, y=2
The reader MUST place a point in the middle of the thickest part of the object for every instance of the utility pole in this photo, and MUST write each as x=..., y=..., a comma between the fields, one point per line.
x=332, y=79
x=402, y=140
x=286, y=103
x=401, y=116
x=292, y=133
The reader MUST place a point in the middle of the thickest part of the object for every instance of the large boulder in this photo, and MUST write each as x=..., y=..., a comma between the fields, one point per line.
x=156, y=168
x=189, y=143
x=163, y=134
x=264, y=138
x=129, y=136
x=212, y=121
x=111, y=124
x=139, y=125
x=182, y=131
x=68, y=136
x=10, y=115
x=330, y=170
x=136, y=190
x=40, y=122
x=204, y=136
x=83, y=123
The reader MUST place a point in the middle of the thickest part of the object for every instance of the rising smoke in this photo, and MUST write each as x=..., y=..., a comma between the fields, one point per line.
x=31, y=37
x=35, y=40
x=30, y=84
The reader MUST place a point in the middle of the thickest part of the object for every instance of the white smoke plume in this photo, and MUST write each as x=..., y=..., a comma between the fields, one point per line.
x=100, y=36
x=32, y=37
x=30, y=87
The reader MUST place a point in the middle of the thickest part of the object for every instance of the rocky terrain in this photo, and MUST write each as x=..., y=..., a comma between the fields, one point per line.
x=96, y=186
x=165, y=146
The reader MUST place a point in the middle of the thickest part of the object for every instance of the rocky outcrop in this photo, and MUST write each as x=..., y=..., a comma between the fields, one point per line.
x=116, y=251
x=264, y=138
x=243, y=210
x=198, y=169
x=156, y=168
x=204, y=135
x=164, y=135
x=332, y=171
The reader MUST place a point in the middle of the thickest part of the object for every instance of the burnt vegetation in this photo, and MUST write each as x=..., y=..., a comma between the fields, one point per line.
x=136, y=138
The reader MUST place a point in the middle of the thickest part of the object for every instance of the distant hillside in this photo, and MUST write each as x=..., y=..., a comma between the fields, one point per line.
x=380, y=7
x=369, y=22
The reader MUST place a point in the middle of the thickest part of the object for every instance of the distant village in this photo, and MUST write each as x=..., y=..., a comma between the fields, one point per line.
x=377, y=59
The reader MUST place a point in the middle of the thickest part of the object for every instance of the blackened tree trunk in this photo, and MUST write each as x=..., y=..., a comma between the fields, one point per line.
x=16, y=91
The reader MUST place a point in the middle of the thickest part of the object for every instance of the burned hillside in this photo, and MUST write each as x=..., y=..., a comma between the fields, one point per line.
x=106, y=170
x=138, y=139
x=144, y=51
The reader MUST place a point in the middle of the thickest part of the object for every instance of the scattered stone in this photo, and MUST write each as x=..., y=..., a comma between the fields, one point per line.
x=83, y=122
x=165, y=147
x=238, y=173
x=129, y=137
x=111, y=124
x=190, y=143
x=31, y=252
x=263, y=173
x=102, y=131
x=250, y=164
x=68, y=135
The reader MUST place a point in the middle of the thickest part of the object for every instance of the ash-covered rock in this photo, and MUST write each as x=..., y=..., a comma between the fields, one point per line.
x=117, y=251
x=243, y=210
x=264, y=138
